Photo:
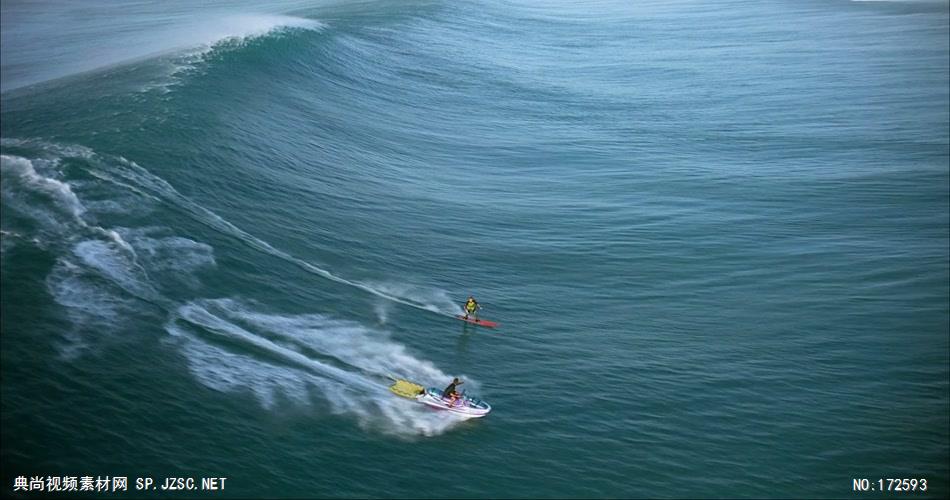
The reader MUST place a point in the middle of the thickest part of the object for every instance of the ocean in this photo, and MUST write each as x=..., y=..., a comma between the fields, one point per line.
x=716, y=236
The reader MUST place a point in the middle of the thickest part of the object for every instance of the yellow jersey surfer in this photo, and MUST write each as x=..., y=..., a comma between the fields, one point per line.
x=471, y=307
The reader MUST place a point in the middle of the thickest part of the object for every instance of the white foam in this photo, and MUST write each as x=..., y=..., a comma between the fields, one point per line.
x=116, y=262
x=93, y=310
x=22, y=173
x=69, y=288
x=225, y=371
x=370, y=351
x=349, y=374
x=21, y=177
x=169, y=254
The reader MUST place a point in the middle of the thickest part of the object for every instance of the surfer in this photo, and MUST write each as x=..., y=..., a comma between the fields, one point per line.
x=472, y=307
x=450, y=393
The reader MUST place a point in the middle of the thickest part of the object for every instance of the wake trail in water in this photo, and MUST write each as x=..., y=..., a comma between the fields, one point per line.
x=101, y=275
x=220, y=336
x=137, y=178
x=132, y=177
x=21, y=171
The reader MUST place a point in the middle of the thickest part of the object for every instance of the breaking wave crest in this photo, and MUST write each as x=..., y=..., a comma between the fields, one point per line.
x=183, y=41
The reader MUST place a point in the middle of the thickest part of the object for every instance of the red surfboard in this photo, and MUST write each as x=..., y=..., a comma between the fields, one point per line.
x=479, y=322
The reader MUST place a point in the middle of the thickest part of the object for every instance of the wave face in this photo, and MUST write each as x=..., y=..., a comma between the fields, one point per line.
x=716, y=240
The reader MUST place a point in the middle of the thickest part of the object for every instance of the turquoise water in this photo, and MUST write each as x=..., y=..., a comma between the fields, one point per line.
x=716, y=236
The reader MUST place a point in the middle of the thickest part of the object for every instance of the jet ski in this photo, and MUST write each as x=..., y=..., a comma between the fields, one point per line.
x=464, y=406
